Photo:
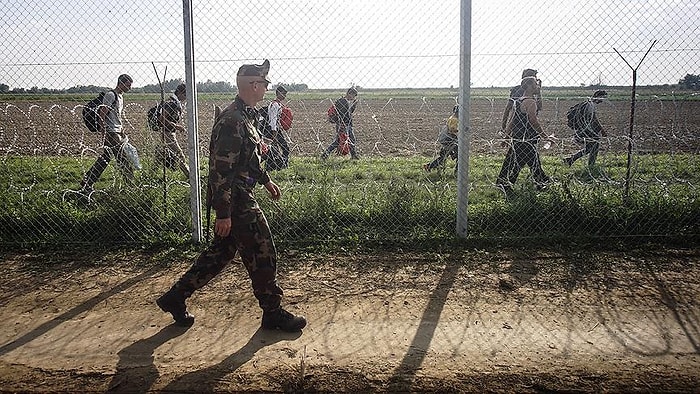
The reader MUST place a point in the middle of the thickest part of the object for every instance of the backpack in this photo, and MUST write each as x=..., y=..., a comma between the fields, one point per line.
x=173, y=110
x=90, y=114
x=332, y=114
x=286, y=118
x=574, y=116
x=153, y=116
x=343, y=143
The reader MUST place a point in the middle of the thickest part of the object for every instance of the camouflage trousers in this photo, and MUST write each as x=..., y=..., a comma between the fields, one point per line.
x=251, y=238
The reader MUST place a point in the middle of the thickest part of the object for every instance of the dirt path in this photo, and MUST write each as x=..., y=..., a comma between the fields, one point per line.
x=526, y=321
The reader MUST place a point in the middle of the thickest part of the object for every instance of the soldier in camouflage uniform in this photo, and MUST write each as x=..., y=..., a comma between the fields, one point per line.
x=234, y=169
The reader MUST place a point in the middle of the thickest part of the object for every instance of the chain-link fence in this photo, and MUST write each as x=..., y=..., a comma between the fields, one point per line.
x=404, y=59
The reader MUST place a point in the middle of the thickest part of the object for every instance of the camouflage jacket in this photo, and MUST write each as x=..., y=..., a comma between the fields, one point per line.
x=235, y=152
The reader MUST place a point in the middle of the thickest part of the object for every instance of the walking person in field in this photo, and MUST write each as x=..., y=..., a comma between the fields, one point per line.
x=277, y=157
x=524, y=132
x=587, y=129
x=448, y=141
x=516, y=92
x=109, y=118
x=170, y=153
x=344, y=108
x=235, y=168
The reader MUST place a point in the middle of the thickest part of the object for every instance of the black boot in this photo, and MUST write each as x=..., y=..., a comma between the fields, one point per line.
x=279, y=319
x=174, y=302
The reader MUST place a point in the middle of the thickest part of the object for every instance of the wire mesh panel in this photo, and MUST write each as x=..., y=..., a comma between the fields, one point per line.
x=57, y=57
x=403, y=58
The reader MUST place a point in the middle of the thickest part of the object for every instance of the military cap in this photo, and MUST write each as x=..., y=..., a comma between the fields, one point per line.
x=255, y=70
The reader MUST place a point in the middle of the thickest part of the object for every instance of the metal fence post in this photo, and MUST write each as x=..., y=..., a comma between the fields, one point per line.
x=192, y=129
x=463, y=136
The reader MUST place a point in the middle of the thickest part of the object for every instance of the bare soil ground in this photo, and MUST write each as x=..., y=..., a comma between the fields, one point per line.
x=384, y=127
x=569, y=319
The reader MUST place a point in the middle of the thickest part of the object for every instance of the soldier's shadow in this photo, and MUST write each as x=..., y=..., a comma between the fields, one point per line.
x=204, y=380
x=136, y=372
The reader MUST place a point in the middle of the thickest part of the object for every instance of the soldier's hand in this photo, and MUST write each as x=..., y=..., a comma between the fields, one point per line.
x=274, y=190
x=222, y=227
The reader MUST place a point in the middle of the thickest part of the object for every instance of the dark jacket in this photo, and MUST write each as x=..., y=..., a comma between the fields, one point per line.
x=344, y=110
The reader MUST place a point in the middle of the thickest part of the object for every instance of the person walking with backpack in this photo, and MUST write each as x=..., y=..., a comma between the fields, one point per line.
x=524, y=131
x=109, y=122
x=170, y=153
x=277, y=157
x=344, y=108
x=448, y=141
x=515, y=93
x=235, y=167
x=587, y=128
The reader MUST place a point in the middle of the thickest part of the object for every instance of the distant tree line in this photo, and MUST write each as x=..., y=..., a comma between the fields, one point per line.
x=5, y=89
x=209, y=86
x=168, y=86
x=292, y=87
x=690, y=81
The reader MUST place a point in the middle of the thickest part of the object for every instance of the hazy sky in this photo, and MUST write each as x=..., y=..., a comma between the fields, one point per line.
x=372, y=43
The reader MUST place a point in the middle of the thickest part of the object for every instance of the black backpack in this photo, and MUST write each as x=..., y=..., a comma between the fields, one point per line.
x=153, y=116
x=574, y=116
x=172, y=109
x=90, y=111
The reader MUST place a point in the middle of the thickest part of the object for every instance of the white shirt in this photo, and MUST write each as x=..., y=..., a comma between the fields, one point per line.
x=274, y=111
x=113, y=120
